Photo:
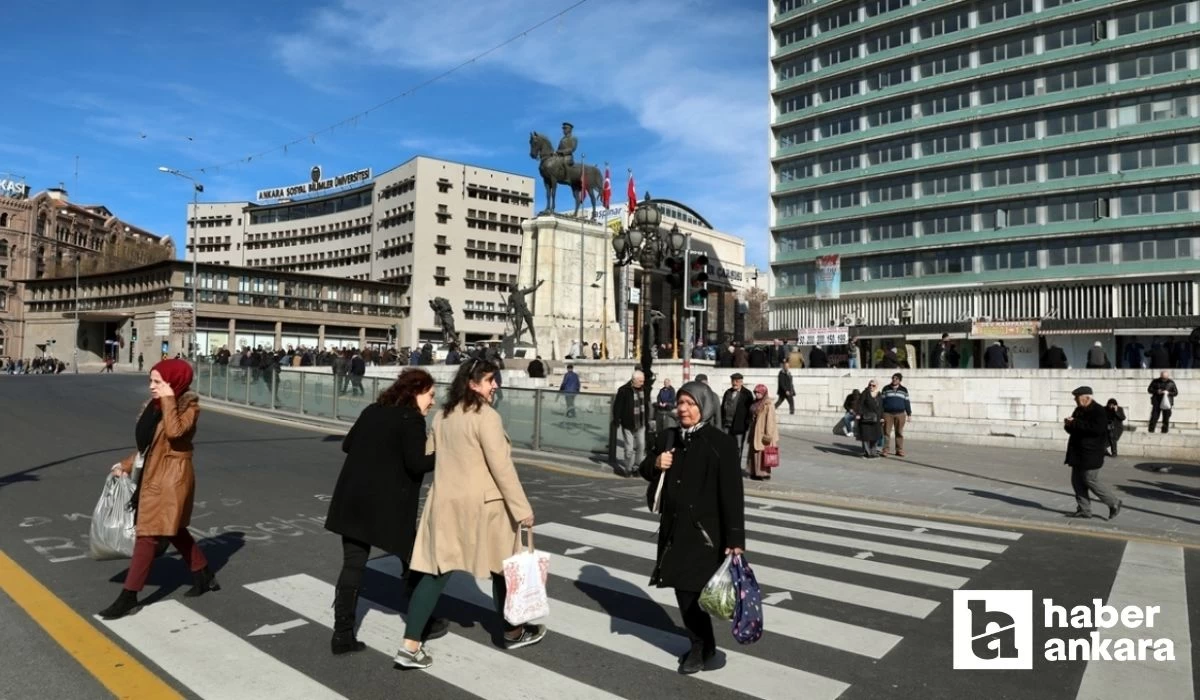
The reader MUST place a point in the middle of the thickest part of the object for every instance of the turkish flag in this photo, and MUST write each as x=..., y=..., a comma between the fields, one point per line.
x=632, y=194
x=606, y=193
x=583, y=188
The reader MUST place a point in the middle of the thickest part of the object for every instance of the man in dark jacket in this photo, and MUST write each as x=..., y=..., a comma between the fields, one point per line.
x=1054, y=358
x=817, y=359
x=1160, y=356
x=897, y=410
x=1097, y=358
x=735, y=410
x=1088, y=428
x=537, y=368
x=569, y=387
x=631, y=413
x=996, y=356
x=1160, y=389
x=787, y=391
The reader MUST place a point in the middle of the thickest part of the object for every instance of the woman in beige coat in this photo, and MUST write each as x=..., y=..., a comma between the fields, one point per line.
x=473, y=510
x=764, y=432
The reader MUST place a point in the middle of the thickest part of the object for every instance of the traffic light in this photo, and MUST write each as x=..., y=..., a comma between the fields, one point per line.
x=675, y=278
x=697, y=282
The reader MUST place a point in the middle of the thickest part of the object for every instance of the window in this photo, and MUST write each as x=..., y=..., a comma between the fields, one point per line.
x=1062, y=36
x=1088, y=251
x=1005, y=50
x=1152, y=246
x=841, y=234
x=839, y=54
x=889, y=152
x=796, y=170
x=879, y=7
x=1154, y=154
x=944, y=24
x=3, y=272
x=887, y=268
x=889, y=229
x=945, y=62
x=1047, y=4
x=785, y=6
x=949, y=262
x=793, y=240
x=889, y=114
x=1007, y=132
x=1151, y=109
x=1016, y=257
x=839, y=199
x=889, y=39
x=888, y=77
x=838, y=18
x=1071, y=208
x=946, y=221
x=794, y=136
x=836, y=126
x=794, y=68
x=1163, y=60
x=945, y=142
x=793, y=35
x=795, y=103
x=1076, y=77
x=831, y=92
x=440, y=277
x=795, y=206
x=1155, y=16
x=1154, y=200
x=1020, y=213
x=1070, y=121
x=1011, y=173
x=1007, y=89
x=839, y=161
x=997, y=10
x=1059, y=165
x=940, y=103
x=945, y=182
x=889, y=190
x=3, y=249
x=798, y=277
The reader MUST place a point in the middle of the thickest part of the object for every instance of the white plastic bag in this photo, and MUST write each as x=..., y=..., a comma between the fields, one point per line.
x=525, y=576
x=1165, y=404
x=112, y=533
x=719, y=598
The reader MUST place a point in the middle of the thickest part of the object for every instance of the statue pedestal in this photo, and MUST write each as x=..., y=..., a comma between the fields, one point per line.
x=552, y=250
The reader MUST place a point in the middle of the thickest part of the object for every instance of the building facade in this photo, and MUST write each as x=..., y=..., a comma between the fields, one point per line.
x=962, y=164
x=435, y=228
x=146, y=310
x=46, y=235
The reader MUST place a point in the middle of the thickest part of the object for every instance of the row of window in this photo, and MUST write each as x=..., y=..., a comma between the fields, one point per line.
x=1030, y=255
x=304, y=210
x=1133, y=66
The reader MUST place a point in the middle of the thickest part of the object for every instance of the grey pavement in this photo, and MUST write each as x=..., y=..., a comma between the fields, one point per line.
x=859, y=602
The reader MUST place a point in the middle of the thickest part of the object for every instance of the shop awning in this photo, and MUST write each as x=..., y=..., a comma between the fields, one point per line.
x=1077, y=331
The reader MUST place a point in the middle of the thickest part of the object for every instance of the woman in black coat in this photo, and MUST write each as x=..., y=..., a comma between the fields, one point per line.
x=1116, y=424
x=377, y=494
x=702, y=511
x=870, y=418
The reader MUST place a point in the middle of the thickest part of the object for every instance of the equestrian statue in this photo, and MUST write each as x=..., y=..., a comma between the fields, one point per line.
x=557, y=167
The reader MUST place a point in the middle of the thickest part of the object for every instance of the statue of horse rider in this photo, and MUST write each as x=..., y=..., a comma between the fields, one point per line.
x=567, y=145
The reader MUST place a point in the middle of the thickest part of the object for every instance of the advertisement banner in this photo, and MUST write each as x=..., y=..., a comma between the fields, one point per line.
x=829, y=276
x=823, y=336
x=1004, y=329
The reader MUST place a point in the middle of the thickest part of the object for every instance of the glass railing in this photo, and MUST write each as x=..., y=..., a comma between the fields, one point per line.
x=537, y=419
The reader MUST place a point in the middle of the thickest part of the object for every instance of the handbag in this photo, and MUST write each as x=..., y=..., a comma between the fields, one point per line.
x=747, y=625
x=525, y=576
x=770, y=457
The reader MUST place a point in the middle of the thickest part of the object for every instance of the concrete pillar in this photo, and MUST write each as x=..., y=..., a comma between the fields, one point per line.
x=278, y=335
x=321, y=336
x=362, y=337
x=233, y=336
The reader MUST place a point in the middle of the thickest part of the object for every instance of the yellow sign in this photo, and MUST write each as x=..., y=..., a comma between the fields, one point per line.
x=1004, y=329
x=614, y=226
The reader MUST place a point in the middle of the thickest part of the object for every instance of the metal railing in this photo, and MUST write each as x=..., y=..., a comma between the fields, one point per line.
x=537, y=419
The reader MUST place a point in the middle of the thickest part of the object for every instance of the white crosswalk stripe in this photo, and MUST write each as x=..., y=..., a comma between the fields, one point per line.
x=891, y=519
x=754, y=514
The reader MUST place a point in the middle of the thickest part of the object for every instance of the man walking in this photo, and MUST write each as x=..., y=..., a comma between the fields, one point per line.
x=570, y=388
x=897, y=409
x=1088, y=428
x=630, y=412
x=735, y=411
x=1162, y=400
x=787, y=391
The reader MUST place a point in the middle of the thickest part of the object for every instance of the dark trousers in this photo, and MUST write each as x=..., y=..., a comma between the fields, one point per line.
x=791, y=402
x=424, y=597
x=1084, y=480
x=698, y=623
x=146, y=548
x=354, y=562
x=1155, y=412
x=1114, y=436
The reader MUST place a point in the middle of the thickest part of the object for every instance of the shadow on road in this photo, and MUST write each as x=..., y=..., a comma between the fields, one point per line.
x=170, y=573
x=595, y=582
x=1177, y=468
x=1011, y=500
x=1163, y=491
x=839, y=450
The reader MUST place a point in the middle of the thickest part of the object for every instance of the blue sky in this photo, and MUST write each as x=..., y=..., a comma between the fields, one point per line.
x=675, y=89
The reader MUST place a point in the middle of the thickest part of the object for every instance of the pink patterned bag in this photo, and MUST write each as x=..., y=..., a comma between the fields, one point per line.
x=525, y=576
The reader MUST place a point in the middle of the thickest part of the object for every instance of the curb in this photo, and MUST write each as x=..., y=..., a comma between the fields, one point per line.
x=575, y=465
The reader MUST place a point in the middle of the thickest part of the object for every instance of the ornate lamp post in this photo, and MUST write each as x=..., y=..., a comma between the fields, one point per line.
x=645, y=242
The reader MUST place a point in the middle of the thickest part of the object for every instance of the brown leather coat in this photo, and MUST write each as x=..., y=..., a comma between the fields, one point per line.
x=168, y=481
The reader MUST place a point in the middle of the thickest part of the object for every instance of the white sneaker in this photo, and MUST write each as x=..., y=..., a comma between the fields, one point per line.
x=413, y=659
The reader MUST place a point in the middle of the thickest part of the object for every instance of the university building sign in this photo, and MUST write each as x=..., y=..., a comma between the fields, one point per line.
x=316, y=184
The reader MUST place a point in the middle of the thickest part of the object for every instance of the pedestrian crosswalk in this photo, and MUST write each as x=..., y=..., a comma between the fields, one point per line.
x=843, y=590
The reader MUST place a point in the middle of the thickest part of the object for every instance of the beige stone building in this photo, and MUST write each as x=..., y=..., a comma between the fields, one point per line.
x=147, y=310
x=46, y=235
x=434, y=227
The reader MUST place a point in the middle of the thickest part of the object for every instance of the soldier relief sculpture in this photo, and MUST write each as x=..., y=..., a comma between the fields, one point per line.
x=445, y=316
x=557, y=167
x=518, y=310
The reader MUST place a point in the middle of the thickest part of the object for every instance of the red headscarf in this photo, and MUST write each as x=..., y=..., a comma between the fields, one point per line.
x=176, y=373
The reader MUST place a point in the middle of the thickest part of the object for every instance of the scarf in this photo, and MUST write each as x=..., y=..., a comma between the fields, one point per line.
x=176, y=373
x=760, y=395
x=638, y=421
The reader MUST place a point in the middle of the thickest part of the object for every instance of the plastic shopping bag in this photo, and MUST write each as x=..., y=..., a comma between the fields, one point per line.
x=718, y=597
x=112, y=531
x=525, y=581
x=747, y=624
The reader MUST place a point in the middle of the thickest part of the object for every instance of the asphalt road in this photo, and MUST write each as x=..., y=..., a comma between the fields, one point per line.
x=859, y=603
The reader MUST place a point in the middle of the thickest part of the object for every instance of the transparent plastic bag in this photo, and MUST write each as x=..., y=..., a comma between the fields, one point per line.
x=112, y=532
x=719, y=598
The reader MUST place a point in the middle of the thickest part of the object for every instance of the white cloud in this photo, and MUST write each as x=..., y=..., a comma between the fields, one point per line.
x=692, y=73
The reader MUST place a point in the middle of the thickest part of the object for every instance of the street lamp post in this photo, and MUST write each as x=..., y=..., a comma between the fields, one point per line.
x=197, y=188
x=646, y=243
x=75, y=345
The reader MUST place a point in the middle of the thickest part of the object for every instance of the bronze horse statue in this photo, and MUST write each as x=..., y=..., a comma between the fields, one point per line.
x=554, y=173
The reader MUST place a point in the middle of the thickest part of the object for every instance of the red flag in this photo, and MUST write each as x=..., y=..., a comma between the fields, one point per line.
x=632, y=194
x=606, y=193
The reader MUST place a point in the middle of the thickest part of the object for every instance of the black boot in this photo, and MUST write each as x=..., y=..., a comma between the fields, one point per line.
x=345, y=611
x=203, y=581
x=693, y=660
x=121, y=607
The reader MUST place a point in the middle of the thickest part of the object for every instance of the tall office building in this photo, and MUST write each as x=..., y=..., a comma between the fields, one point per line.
x=436, y=228
x=1017, y=168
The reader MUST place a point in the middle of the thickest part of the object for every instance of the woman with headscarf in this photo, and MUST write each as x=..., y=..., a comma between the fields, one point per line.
x=764, y=432
x=702, y=512
x=166, y=483
x=869, y=414
x=1116, y=424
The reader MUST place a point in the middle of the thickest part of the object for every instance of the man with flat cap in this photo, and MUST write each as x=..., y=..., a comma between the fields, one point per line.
x=567, y=145
x=1088, y=428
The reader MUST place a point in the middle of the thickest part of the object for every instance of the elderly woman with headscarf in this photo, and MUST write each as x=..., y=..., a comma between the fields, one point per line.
x=166, y=483
x=764, y=432
x=702, y=511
